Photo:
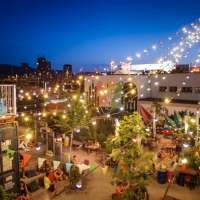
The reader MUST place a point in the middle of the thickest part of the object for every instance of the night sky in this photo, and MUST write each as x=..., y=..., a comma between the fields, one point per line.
x=86, y=33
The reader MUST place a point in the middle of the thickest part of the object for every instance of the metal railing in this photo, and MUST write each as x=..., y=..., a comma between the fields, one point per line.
x=8, y=100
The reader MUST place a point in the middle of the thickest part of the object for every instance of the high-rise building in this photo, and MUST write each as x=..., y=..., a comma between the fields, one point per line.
x=67, y=71
x=44, y=69
x=26, y=68
x=43, y=65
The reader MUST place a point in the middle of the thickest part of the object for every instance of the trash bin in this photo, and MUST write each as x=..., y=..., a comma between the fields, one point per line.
x=162, y=176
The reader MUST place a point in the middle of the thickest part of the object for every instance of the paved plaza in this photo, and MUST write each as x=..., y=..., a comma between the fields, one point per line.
x=97, y=186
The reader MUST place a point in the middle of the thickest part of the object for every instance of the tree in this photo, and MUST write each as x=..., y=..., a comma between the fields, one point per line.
x=97, y=132
x=76, y=116
x=126, y=150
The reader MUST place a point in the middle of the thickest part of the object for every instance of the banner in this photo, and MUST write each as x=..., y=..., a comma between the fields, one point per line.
x=68, y=166
x=56, y=164
x=40, y=162
x=105, y=170
x=26, y=159
x=10, y=153
x=93, y=167
x=147, y=117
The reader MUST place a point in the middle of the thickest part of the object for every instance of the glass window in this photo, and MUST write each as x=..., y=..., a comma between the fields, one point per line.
x=197, y=90
x=186, y=89
x=173, y=89
x=162, y=88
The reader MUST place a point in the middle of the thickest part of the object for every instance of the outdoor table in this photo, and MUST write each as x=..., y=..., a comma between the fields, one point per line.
x=92, y=147
x=186, y=176
x=31, y=179
x=76, y=143
x=83, y=167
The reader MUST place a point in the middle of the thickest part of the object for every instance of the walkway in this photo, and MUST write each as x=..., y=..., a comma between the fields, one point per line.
x=98, y=187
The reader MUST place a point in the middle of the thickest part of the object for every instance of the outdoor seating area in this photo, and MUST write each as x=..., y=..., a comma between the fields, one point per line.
x=171, y=168
x=52, y=175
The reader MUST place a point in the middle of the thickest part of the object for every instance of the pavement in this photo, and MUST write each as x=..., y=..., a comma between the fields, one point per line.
x=98, y=186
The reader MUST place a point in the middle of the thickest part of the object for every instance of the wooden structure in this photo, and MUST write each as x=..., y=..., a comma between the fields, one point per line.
x=9, y=157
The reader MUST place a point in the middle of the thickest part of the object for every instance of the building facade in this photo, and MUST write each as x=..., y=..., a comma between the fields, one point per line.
x=181, y=89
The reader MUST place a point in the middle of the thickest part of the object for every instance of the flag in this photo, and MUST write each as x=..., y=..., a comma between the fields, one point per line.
x=26, y=159
x=175, y=117
x=10, y=153
x=147, y=117
x=56, y=164
x=40, y=162
x=105, y=170
x=93, y=168
x=68, y=166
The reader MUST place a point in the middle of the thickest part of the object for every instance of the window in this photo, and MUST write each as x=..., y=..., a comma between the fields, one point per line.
x=173, y=89
x=197, y=90
x=162, y=88
x=186, y=89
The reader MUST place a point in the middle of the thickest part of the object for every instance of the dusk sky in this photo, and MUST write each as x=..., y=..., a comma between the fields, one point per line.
x=87, y=32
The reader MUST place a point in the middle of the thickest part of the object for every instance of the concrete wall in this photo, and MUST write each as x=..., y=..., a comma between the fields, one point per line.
x=148, y=86
x=178, y=80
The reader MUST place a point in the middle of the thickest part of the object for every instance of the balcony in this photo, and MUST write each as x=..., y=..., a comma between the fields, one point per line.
x=7, y=100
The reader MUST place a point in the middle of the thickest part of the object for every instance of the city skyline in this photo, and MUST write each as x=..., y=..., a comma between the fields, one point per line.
x=87, y=34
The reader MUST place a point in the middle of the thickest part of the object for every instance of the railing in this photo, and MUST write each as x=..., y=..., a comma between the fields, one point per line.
x=8, y=100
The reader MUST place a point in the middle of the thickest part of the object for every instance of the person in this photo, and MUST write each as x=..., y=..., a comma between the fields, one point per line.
x=64, y=171
x=48, y=184
x=58, y=174
x=51, y=176
x=46, y=166
x=23, y=192
x=74, y=176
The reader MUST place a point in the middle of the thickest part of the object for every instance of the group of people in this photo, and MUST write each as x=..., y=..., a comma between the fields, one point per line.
x=61, y=173
x=52, y=176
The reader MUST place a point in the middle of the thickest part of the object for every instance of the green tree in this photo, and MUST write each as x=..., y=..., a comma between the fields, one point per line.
x=97, y=132
x=76, y=116
x=126, y=150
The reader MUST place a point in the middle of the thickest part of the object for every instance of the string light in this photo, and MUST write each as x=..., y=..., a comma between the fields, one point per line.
x=94, y=123
x=26, y=119
x=167, y=100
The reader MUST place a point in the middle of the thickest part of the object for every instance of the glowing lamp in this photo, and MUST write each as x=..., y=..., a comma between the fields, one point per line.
x=28, y=136
x=167, y=100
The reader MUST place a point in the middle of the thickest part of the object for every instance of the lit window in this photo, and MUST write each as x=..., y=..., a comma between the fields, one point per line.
x=186, y=90
x=197, y=90
x=173, y=89
x=162, y=88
